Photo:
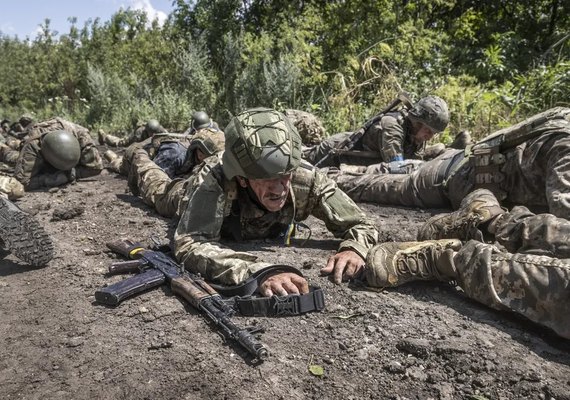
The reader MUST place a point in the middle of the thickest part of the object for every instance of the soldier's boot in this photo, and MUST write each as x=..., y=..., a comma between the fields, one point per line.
x=11, y=187
x=433, y=151
x=462, y=139
x=101, y=136
x=478, y=208
x=114, y=161
x=392, y=264
x=23, y=236
x=110, y=155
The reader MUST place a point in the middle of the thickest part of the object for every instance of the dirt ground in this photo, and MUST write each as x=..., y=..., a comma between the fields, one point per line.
x=420, y=341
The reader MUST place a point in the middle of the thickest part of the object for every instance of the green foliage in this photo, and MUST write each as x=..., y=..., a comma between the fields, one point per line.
x=493, y=62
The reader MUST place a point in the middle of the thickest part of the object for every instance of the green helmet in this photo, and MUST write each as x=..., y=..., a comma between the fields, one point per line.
x=61, y=149
x=431, y=111
x=261, y=143
x=200, y=120
x=154, y=126
x=209, y=141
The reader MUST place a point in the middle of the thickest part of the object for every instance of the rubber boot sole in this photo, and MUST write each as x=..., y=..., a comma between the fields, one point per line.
x=23, y=236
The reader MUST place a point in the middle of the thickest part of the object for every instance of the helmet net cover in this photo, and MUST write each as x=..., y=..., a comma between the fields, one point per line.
x=431, y=111
x=61, y=149
x=261, y=143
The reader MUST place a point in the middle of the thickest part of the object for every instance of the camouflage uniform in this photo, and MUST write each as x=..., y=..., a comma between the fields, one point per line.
x=154, y=179
x=390, y=137
x=170, y=149
x=18, y=129
x=531, y=285
x=310, y=128
x=215, y=208
x=153, y=185
x=140, y=134
x=534, y=173
x=527, y=271
x=33, y=171
x=8, y=155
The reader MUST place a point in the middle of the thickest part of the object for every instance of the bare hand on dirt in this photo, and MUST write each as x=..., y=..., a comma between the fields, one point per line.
x=283, y=284
x=344, y=266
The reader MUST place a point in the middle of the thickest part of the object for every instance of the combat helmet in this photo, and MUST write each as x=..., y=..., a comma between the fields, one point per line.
x=61, y=149
x=209, y=142
x=200, y=120
x=154, y=126
x=261, y=143
x=25, y=120
x=431, y=111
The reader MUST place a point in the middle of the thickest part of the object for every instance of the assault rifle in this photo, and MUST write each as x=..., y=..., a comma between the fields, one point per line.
x=156, y=268
x=345, y=146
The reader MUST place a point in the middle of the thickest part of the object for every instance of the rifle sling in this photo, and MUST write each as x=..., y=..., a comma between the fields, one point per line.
x=293, y=304
x=281, y=306
x=250, y=285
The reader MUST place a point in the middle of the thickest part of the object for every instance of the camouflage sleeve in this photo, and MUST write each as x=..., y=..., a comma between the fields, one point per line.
x=557, y=175
x=392, y=139
x=90, y=162
x=342, y=217
x=29, y=163
x=197, y=235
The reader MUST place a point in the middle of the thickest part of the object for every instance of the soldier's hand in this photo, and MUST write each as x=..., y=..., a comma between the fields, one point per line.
x=344, y=266
x=72, y=175
x=282, y=284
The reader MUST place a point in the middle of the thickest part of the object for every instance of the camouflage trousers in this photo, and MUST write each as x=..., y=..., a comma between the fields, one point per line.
x=532, y=277
x=115, y=141
x=425, y=187
x=537, y=287
x=116, y=164
x=154, y=186
x=527, y=271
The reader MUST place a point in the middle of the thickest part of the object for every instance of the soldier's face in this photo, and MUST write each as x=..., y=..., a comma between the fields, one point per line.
x=200, y=156
x=423, y=133
x=271, y=193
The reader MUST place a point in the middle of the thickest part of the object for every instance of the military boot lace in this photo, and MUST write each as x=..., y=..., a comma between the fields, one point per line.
x=421, y=264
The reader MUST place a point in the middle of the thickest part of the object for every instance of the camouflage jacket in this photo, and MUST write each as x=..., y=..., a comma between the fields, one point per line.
x=33, y=171
x=392, y=138
x=214, y=208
